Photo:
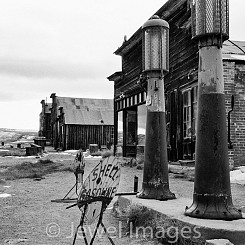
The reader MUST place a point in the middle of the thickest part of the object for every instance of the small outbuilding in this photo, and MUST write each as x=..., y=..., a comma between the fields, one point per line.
x=78, y=122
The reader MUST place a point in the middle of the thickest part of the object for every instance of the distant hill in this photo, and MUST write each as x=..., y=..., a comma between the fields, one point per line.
x=10, y=135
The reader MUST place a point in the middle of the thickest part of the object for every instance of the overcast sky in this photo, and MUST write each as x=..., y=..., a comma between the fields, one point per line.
x=66, y=47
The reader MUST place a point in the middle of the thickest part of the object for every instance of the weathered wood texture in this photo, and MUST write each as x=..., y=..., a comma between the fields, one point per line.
x=183, y=64
x=77, y=122
x=77, y=136
x=182, y=76
x=183, y=57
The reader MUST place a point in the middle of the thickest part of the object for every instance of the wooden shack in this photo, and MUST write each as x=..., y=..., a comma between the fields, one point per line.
x=180, y=90
x=78, y=122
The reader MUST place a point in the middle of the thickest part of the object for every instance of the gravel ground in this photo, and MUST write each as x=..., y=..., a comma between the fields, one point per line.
x=29, y=217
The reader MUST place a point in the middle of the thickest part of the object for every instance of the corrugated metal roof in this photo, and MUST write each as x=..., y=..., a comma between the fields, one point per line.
x=84, y=103
x=91, y=117
x=86, y=111
x=231, y=52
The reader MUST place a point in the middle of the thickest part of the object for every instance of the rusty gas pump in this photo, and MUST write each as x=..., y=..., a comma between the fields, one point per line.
x=155, y=43
x=212, y=192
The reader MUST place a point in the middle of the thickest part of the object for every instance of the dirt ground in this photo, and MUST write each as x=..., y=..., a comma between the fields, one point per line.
x=29, y=217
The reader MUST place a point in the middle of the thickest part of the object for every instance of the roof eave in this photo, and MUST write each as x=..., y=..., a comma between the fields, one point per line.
x=115, y=76
x=164, y=12
x=127, y=45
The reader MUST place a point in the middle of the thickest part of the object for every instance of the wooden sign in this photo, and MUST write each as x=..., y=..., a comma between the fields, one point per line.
x=100, y=186
x=95, y=195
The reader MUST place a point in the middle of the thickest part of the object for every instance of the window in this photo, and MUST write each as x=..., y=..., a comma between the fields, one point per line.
x=187, y=114
x=131, y=127
x=120, y=128
x=141, y=124
x=189, y=121
x=194, y=109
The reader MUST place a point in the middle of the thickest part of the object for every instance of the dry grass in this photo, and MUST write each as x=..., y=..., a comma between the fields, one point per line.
x=13, y=152
x=32, y=170
x=165, y=231
x=137, y=215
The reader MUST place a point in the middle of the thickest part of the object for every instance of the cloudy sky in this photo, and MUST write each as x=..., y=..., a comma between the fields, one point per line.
x=66, y=47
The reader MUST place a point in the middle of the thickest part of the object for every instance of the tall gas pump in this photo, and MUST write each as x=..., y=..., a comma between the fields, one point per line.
x=155, y=43
x=212, y=192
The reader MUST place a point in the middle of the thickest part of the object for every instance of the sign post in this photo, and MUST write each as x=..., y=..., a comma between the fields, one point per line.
x=97, y=191
x=95, y=194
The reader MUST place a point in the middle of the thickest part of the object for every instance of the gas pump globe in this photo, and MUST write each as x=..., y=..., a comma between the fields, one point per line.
x=210, y=18
x=155, y=45
x=212, y=192
x=155, y=56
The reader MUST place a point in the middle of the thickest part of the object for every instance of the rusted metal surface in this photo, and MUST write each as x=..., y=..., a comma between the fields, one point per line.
x=212, y=192
x=230, y=49
x=88, y=117
x=84, y=111
x=211, y=148
x=155, y=177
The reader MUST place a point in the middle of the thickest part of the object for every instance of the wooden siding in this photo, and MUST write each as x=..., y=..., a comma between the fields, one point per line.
x=183, y=56
x=131, y=68
x=183, y=64
x=66, y=136
x=182, y=76
x=183, y=53
x=80, y=136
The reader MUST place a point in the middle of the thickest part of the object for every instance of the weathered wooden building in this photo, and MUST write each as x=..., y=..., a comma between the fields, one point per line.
x=45, y=121
x=180, y=89
x=78, y=122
